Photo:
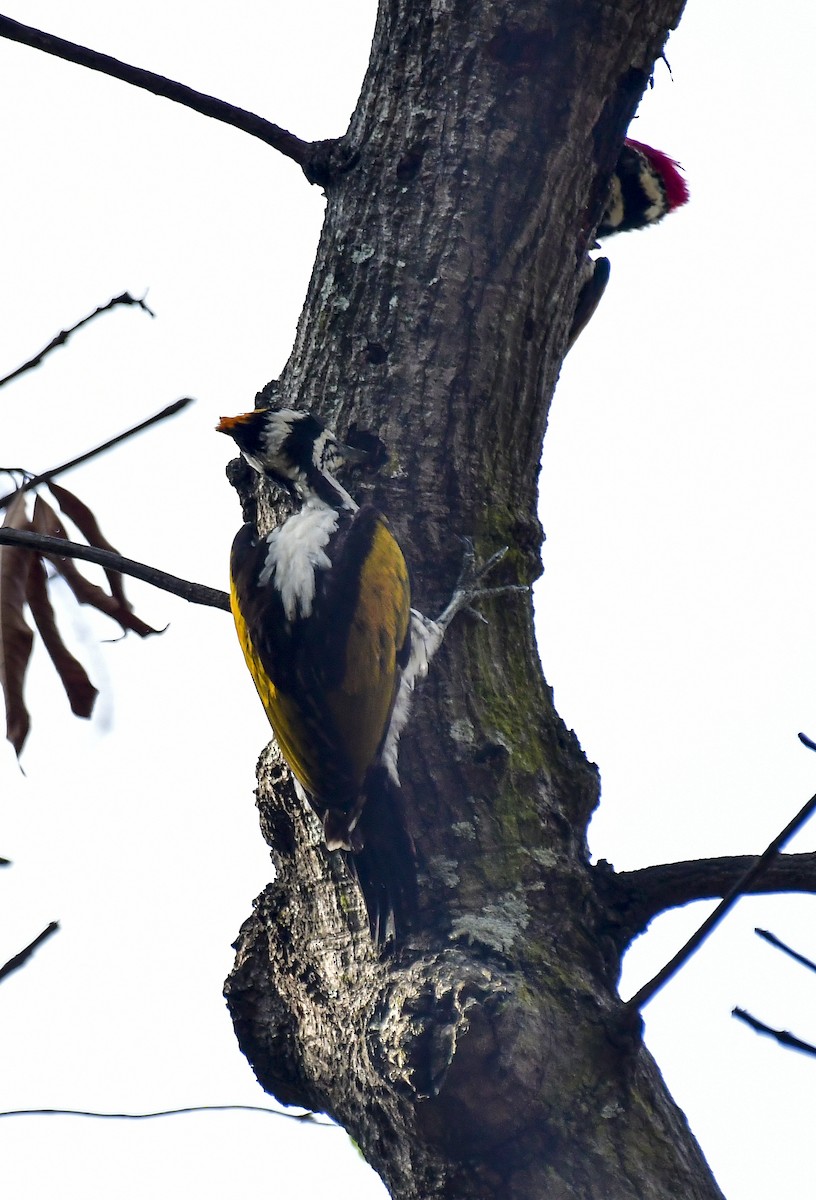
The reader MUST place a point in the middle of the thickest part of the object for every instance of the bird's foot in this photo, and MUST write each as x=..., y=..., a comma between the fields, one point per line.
x=470, y=586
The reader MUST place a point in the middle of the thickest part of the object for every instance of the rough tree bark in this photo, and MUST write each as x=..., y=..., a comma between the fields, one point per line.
x=489, y=1054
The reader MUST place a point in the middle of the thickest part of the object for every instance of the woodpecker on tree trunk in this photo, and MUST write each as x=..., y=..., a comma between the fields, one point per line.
x=646, y=186
x=322, y=606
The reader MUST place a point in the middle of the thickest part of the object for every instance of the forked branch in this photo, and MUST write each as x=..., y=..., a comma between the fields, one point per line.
x=757, y=868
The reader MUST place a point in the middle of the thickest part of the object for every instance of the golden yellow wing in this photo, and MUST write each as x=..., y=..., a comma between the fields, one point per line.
x=328, y=681
x=361, y=706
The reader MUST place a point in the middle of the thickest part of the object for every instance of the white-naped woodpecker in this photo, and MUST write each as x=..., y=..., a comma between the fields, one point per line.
x=646, y=186
x=322, y=606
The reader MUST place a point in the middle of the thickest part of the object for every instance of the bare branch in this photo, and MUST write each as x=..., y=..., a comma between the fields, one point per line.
x=28, y=484
x=780, y=1035
x=304, y=1117
x=64, y=334
x=757, y=868
x=20, y=959
x=51, y=547
x=634, y=898
x=773, y=940
x=303, y=153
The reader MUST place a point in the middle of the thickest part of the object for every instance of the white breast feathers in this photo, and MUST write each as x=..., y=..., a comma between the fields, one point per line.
x=296, y=551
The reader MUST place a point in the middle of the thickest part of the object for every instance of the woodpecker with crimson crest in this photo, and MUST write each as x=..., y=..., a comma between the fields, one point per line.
x=322, y=606
x=646, y=186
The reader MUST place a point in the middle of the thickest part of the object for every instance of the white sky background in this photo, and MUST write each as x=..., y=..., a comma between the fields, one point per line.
x=675, y=616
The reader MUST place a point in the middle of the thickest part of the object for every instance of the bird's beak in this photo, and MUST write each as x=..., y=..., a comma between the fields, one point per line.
x=352, y=455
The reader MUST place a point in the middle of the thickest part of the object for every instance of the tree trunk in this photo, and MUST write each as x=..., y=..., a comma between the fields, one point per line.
x=489, y=1053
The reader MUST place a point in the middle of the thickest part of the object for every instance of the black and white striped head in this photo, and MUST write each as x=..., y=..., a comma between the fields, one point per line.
x=294, y=449
x=646, y=185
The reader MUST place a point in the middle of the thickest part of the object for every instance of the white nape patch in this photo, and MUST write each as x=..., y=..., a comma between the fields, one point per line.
x=653, y=187
x=614, y=205
x=296, y=551
x=277, y=427
x=319, y=456
x=426, y=638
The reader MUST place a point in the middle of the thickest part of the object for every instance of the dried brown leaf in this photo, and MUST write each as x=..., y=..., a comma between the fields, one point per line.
x=80, y=691
x=16, y=638
x=46, y=521
x=88, y=526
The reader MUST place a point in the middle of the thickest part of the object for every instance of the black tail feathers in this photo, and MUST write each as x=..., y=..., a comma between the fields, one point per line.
x=385, y=862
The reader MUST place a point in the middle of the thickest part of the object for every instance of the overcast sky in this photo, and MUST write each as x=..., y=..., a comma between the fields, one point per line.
x=675, y=617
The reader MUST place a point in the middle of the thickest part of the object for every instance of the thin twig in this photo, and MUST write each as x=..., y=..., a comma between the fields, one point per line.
x=280, y=139
x=64, y=334
x=20, y=959
x=35, y=480
x=304, y=1117
x=767, y=936
x=728, y=901
x=780, y=1035
x=52, y=547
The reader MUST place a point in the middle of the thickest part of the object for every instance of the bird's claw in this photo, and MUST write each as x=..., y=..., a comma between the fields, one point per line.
x=469, y=585
x=470, y=576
